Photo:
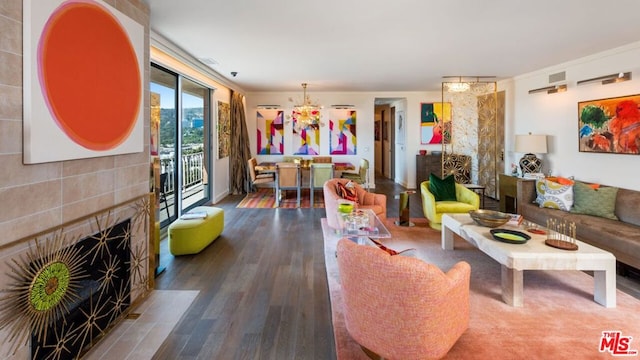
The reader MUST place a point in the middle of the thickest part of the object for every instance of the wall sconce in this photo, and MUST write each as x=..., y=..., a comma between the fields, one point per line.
x=608, y=79
x=267, y=106
x=342, y=106
x=550, y=89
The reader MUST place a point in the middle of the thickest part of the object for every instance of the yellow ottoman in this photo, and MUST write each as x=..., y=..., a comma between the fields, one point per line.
x=190, y=236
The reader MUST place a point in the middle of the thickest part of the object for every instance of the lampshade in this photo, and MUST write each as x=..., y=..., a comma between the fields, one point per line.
x=531, y=144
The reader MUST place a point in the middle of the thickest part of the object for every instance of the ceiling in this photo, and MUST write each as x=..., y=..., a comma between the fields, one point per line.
x=401, y=45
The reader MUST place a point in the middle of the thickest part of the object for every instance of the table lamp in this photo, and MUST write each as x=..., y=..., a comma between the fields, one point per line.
x=531, y=145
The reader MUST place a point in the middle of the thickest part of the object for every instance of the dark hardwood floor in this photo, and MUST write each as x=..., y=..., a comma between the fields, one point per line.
x=263, y=288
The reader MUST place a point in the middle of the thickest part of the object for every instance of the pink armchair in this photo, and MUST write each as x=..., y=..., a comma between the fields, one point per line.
x=366, y=200
x=401, y=307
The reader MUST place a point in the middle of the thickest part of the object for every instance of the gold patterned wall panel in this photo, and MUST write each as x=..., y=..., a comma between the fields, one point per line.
x=489, y=140
x=466, y=136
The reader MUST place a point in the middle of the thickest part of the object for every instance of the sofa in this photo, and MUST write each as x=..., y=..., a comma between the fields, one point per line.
x=365, y=200
x=400, y=307
x=620, y=237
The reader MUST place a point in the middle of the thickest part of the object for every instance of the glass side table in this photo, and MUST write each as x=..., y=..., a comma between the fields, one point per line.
x=359, y=231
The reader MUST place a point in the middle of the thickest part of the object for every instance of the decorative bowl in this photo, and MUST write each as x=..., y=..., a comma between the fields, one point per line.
x=510, y=236
x=489, y=218
x=345, y=208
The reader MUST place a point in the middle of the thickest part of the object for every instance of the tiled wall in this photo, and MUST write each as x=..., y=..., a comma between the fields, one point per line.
x=37, y=197
x=34, y=198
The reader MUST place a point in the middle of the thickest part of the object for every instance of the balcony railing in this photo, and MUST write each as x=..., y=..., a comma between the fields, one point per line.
x=192, y=186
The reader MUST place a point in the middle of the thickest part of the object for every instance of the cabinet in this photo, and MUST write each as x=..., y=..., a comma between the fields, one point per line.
x=425, y=165
x=509, y=192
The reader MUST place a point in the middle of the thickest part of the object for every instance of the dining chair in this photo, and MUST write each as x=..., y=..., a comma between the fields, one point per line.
x=258, y=178
x=362, y=176
x=320, y=173
x=288, y=177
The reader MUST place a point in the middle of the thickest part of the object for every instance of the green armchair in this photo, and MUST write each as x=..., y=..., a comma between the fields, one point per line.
x=433, y=210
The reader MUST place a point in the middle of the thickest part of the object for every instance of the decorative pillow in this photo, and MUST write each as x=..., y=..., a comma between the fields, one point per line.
x=540, y=187
x=443, y=189
x=597, y=202
x=347, y=193
x=554, y=195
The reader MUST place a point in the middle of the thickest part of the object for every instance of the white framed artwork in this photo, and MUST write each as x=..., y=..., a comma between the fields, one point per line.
x=83, y=81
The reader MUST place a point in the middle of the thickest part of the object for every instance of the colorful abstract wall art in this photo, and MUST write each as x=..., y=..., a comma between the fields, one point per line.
x=435, y=123
x=610, y=125
x=307, y=140
x=224, y=129
x=342, y=130
x=83, y=81
x=270, y=131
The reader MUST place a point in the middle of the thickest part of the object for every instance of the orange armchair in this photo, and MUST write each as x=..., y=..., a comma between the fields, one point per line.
x=366, y=200
x=401, y=307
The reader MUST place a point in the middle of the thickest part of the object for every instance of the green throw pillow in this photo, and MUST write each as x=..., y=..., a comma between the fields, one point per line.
x=443, y=189
x=597, y=202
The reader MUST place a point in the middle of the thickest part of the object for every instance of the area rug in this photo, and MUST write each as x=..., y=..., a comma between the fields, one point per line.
x=559, y=319
x=264, y=198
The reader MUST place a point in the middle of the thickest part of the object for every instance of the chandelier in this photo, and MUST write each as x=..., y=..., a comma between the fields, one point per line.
x=305, y=115
x=459, y=86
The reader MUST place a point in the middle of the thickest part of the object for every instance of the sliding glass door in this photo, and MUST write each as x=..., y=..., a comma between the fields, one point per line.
x=193, y=128
x=183, y=142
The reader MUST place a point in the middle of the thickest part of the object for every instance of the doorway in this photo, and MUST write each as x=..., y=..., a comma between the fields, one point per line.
x=183, y=109
x=386, y=112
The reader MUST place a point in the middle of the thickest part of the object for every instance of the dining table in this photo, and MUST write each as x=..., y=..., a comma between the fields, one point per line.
x=270, y=166
x=305, y=166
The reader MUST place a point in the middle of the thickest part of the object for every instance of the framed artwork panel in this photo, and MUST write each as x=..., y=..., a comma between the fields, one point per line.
x=224, y=129
x=610, y=125
x=83, y=72
x=435, y=123
x=270, y=131
x=342, y=129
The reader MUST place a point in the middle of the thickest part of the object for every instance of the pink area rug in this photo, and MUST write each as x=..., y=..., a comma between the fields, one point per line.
x=559, y=319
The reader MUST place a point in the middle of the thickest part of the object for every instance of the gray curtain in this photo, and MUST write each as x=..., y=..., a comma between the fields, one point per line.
x=240, y=152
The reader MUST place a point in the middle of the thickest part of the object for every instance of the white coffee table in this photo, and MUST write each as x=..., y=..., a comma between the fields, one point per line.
x=533, y=255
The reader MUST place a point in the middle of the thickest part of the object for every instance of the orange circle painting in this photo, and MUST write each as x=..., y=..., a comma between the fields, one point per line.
x=89, y=75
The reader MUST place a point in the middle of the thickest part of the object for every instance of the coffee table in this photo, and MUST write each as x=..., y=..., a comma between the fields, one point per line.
x=533, y=255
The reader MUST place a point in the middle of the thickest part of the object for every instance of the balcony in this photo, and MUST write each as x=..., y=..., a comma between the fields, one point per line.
x=192, y=186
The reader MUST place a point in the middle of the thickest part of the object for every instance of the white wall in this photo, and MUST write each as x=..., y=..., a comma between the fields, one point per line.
x=365, y=107
x=557, y=116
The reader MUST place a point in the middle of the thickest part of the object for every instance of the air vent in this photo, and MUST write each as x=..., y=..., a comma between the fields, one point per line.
x=209, y=61
x=561, y=76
